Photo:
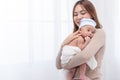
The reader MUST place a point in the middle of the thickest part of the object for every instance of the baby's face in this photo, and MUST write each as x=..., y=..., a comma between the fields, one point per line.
x=87, y=30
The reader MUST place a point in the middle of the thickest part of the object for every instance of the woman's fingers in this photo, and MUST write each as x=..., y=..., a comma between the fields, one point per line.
x=71, y=37
x=75, y=33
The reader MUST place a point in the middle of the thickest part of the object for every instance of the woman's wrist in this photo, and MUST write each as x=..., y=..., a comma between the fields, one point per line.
x=63, y=44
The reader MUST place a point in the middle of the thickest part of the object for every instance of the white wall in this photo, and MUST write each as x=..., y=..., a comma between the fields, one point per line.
x=109, y=14
x=27, y=37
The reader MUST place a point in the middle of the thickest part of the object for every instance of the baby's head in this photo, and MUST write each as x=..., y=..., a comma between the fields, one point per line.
x=87, y=27
x=87, y=21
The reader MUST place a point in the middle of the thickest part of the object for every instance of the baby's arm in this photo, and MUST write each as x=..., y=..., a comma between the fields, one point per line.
x=87, y=40
x=82, y=43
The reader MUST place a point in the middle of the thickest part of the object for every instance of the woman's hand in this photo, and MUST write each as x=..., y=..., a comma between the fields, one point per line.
x=70, y=38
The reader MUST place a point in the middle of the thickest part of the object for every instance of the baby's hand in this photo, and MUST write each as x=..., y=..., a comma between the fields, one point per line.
x=87, y=39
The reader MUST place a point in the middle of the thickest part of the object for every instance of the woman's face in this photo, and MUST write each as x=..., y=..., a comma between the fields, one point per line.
x=79, y=13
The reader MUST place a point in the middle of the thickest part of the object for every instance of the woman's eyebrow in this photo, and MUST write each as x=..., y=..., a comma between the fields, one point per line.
x=82, y=10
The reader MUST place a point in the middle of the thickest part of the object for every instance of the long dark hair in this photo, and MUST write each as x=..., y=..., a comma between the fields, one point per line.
x=90, y=9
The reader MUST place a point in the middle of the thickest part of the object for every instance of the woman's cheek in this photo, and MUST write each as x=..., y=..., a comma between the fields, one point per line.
x=78, y=23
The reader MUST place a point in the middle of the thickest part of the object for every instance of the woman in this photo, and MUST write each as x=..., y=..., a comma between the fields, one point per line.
x=85, y=9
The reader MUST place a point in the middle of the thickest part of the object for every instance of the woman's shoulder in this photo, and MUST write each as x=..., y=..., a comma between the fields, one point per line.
x=100, y=32
x=99, y=36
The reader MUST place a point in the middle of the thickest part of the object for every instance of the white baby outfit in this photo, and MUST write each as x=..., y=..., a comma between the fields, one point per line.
x=69, y=51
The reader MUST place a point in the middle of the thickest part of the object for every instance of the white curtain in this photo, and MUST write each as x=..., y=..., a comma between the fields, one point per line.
x=30, y=35
x=31, y=32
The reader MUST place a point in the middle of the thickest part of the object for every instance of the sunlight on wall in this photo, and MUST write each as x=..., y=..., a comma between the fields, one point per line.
x=13, y=31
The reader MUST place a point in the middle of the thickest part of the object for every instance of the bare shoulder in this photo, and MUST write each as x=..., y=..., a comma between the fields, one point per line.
x=80, y=39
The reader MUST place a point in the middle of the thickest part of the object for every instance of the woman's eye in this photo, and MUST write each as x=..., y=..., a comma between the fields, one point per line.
x=83, y=13
x=75, y=14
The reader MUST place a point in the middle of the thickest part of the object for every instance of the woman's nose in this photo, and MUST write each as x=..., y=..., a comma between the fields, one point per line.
x=79, y=16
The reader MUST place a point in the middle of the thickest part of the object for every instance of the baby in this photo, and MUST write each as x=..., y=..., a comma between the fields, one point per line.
x=86, y=31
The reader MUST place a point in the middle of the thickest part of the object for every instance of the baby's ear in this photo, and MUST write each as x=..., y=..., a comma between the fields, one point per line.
x=79, y=31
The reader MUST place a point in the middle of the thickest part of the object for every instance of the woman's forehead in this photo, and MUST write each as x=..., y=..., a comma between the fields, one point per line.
x=79, y=8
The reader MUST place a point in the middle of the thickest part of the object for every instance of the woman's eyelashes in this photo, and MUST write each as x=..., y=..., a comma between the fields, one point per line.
x=75, y=14
x=82, y=12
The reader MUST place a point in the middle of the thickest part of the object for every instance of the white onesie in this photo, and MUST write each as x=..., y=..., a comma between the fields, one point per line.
x=69, y=51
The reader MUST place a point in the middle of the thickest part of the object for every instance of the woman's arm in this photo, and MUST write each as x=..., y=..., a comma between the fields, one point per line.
x=97, y=42
x=70, y=38
x=58, y=60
